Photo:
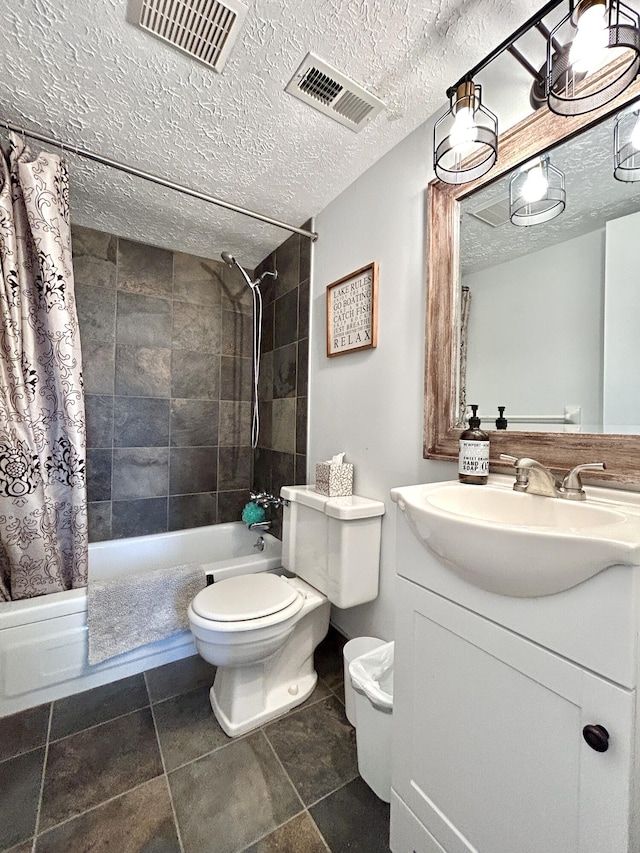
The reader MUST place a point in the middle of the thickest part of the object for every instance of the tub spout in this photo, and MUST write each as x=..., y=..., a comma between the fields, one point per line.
x=260, y=525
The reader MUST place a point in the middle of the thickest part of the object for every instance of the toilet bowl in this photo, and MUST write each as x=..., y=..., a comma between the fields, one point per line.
x=261, y=630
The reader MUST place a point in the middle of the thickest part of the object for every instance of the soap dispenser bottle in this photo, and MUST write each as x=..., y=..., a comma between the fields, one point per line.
x=473, y=461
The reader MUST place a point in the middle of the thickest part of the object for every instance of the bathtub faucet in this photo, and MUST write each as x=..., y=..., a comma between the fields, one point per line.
x=266, y=500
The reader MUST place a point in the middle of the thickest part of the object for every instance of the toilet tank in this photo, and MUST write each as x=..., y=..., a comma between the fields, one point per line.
x=333, y=543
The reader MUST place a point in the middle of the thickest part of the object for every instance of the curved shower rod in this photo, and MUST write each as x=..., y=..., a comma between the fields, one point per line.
x=155, y=179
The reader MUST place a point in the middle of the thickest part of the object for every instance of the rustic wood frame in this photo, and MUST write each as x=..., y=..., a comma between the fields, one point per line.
x=373, y=328
x=559, y=451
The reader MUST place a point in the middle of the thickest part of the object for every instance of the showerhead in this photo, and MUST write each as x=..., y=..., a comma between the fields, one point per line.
x=228, y=258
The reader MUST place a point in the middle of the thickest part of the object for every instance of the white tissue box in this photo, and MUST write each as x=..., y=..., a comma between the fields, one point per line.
x=333, y=479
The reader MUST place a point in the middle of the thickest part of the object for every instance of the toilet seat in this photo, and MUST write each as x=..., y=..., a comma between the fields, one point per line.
x=247, y=602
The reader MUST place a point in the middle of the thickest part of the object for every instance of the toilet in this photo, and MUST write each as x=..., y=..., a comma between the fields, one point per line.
x=260, y=630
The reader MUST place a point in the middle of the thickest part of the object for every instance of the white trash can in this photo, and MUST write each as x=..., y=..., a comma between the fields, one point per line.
x=352, y=650
x=372, y=679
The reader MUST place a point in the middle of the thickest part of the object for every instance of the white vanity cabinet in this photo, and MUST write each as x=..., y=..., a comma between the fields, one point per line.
x=490, y=704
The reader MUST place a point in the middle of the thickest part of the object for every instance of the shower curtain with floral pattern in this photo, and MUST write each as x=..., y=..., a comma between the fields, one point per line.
x=43, y=511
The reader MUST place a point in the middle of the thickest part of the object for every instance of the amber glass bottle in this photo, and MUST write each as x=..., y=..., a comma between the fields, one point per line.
x=473, y=460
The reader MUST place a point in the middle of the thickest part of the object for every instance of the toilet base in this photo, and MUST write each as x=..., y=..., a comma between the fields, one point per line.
x=245, y=697
x=279, y=701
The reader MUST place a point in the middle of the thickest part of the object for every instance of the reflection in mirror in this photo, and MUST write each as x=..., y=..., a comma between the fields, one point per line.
x=543, y=345
x=550, y=329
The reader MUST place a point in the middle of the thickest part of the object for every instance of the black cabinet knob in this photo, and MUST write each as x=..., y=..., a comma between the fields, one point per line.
x=597, y=737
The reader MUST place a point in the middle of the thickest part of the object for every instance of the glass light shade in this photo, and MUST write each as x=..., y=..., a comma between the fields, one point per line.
x=591, y=38
x=536, y=193
x=465, y=138
x=626, y=145
x=596, y=39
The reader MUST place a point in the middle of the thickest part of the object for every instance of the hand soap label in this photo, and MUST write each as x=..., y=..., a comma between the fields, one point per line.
x=474, y=458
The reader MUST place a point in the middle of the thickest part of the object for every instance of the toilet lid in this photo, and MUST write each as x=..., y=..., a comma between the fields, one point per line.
x=244, y=597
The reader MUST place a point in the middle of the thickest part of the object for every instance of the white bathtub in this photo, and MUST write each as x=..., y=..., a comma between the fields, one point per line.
x=43, y=641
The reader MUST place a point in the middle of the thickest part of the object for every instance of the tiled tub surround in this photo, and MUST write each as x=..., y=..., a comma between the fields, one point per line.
x=166, y=340
x=141, y=765
x=281, y=456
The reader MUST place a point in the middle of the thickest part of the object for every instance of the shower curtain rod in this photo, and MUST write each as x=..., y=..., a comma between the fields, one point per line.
x=155, y=179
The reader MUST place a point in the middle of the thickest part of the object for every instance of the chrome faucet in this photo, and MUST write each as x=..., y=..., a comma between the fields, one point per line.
x=535, y=479
x=266, y=500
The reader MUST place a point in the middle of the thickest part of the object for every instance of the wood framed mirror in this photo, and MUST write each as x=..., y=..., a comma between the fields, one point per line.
x=560, y=451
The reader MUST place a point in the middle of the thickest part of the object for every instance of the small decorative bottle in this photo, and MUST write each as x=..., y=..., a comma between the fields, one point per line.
x=501, y=421
x=473, y=461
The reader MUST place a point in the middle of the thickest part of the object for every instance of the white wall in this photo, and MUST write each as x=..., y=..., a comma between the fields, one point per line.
x=535, y=332
x=370, y=403
x=622, y=308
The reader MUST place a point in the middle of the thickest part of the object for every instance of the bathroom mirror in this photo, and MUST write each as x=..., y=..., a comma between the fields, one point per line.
x=537, y=133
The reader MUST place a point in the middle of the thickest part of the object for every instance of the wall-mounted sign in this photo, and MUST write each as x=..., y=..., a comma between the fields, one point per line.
x=352, y=312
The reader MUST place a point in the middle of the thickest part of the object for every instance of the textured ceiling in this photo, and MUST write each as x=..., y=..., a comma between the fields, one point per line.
x=78, y=71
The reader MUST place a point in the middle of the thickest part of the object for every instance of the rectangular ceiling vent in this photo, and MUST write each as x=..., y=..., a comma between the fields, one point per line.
x=495, y=214
x=204, y=29
x=327, y=90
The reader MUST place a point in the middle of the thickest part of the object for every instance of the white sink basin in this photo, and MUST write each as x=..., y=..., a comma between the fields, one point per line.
x=518, y=544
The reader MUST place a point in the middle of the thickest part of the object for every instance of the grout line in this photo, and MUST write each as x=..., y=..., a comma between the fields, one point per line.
x=164, y=772
x=284, y=823
x=275, y=829
x=99, y=806
x=335, y=790
x=305, y=809
x=212, y=751
x=102, y=723
x=44, y=770
x=206, y=754
x=284, y=770
x=161, y=699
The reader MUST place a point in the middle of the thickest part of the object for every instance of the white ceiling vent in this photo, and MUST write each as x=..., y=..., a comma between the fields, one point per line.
x=495, y=213
x=321, y=86
x=205, y=29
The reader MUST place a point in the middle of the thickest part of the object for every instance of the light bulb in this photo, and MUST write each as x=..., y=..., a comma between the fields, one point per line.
x=634, y=139
x=464, y=130
x=535, y=185
x=591, y=39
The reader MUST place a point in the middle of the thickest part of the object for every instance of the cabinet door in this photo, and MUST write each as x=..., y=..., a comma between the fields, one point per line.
x=489, y=751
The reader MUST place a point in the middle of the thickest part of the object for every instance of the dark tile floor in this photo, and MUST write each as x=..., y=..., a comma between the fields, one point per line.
x=141, y=766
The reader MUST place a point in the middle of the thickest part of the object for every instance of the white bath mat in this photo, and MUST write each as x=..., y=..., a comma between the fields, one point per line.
x=130, y=611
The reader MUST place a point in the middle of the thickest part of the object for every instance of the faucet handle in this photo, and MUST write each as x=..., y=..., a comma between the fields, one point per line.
x=508, y=458
x=572, y=483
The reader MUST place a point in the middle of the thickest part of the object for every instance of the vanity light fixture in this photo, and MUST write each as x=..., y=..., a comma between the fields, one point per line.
x=536, y=193
x=465, y=138
x=626, y=145
x=598, y=31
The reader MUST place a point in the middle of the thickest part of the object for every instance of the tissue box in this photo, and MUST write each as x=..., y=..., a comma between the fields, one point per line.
x=334, y=480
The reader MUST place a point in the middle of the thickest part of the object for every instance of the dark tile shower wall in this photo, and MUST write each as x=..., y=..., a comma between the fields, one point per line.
x=166, y=340
x=281, y=457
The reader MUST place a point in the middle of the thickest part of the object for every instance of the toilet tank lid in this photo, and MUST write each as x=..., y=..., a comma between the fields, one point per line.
x=345, y=509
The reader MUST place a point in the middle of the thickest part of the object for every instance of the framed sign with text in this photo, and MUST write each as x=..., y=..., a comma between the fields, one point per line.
x=352, y=312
